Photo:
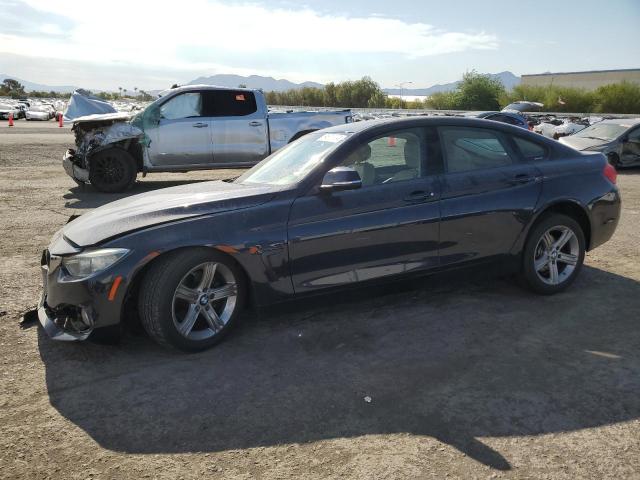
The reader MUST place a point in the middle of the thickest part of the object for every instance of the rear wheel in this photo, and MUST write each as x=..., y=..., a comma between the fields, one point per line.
x=553, y=254
x=112, y=170
x=191, y=299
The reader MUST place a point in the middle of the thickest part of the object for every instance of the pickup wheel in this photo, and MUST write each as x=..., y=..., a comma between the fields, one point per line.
x=112, y=170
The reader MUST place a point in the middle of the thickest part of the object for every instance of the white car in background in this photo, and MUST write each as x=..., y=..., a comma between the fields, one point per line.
x=38, y=112
x=6, y=110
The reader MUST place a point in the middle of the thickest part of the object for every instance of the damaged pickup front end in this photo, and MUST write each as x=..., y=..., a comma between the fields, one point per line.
x=98, y=133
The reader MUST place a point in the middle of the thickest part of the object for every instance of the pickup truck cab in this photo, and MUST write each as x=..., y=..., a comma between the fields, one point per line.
x=188, y=128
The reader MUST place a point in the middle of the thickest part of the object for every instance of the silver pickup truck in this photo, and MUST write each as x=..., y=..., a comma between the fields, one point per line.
x=189, y=128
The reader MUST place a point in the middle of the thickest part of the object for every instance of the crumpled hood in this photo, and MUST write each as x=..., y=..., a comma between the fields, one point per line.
x=161, y=206
x=580, y=143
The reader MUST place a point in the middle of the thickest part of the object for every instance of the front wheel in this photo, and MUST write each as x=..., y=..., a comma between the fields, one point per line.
x=190, y=299
x=112, y=170
x=553, y=254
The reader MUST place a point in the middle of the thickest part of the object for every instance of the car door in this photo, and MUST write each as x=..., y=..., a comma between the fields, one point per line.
x=183, y=133
x=387, y=227
x=488, y=194
x=240, y=130
x=631, y=147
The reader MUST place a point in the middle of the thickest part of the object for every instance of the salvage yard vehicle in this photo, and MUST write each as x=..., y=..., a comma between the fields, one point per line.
x=190, y=128
x=618, y=139
x=511, y=118
x=6, y=110
x=38, y=112
x=345, y=206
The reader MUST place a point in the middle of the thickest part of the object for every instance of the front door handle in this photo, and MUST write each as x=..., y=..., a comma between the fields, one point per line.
x=199, y=125
x=255, y=123
x=418, y=196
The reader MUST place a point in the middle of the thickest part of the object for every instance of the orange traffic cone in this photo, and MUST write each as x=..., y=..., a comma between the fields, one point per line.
x=60, y=120
x=392, y=141
x=11, y=119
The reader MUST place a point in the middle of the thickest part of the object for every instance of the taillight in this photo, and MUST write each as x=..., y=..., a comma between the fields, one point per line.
x=610, y=172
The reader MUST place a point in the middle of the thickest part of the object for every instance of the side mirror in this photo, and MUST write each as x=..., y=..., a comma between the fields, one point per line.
x=341, y=178
x=625, y=139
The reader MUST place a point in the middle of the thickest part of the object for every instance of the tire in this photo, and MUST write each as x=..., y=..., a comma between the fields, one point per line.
x=546, y=268
x=176, y=307
x=112, y=170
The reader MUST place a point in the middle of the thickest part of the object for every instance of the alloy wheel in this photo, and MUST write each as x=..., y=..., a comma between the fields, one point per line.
x=204, y=301
x=556, y=255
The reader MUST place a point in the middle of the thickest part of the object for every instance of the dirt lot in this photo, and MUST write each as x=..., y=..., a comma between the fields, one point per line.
x=467, y=379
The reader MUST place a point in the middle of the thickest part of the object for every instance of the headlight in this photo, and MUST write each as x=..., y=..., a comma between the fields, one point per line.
x=88, y=263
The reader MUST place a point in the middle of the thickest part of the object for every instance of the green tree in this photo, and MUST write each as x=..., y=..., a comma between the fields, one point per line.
x=443, y=101
x=477, y=91
x=11, y=88
x=621, y=97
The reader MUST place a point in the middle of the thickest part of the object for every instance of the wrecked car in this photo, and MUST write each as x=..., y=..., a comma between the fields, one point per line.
x=345, y=207
x=195, y=127
x=618, y=139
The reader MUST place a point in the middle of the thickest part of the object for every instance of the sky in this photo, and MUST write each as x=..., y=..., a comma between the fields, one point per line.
x=153, y=44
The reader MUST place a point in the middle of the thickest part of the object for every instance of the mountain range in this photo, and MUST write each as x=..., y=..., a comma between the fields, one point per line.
x=39, y=87
x=508, y=79
x=268, y=84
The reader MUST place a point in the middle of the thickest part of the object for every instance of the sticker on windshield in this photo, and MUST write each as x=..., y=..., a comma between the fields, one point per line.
x=332, y=137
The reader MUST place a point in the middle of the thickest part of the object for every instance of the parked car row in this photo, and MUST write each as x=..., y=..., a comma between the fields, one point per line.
x=30, y=109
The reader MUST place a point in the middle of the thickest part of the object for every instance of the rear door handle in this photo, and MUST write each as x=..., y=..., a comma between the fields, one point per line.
x=418, y=196
x=255, y=123
x=199, y=125
x=522, y=179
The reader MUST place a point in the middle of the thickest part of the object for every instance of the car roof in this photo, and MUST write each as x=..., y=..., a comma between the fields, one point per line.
x=358, y=127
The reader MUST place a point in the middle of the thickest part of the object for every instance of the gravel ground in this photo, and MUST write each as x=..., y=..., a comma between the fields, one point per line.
x=471, y=378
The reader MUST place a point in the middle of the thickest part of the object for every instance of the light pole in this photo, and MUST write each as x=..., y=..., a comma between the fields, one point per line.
x=401, y=85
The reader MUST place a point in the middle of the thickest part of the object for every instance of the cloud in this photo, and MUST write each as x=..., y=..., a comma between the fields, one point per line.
x=145, y=33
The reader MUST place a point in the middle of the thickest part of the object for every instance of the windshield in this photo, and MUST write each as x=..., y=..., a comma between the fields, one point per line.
x=292, y=163
x=602, y=131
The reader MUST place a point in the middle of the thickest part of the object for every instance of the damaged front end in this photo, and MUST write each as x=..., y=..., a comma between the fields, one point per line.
x=94, y=133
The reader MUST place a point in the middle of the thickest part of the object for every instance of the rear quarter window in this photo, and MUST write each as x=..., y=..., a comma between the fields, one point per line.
x=467, y=148
x=232, y=103
x=530, y=150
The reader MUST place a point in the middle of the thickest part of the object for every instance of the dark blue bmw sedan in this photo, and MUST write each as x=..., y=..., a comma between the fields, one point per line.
x=340, y=207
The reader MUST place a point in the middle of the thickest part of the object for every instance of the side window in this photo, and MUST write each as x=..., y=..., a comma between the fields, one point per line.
x=232, y=103
x=389, y=158
x=185, y=105
x=468, y=149
x=634, y=135
x=530, y=150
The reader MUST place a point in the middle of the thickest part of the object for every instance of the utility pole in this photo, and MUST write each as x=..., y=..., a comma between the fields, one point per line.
x=401, y=85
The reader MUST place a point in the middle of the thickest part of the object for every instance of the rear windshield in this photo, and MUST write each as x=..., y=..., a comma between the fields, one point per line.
x=602, y=131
